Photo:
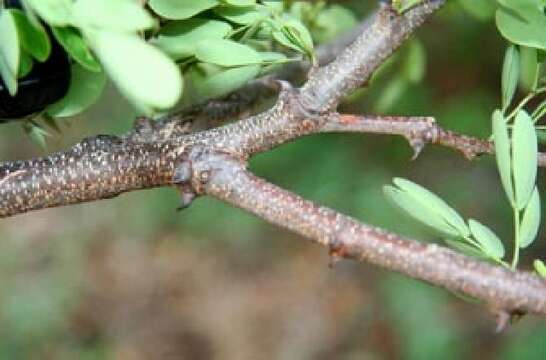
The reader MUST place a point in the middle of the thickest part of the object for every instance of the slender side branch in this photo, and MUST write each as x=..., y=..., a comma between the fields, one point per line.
x=418, y=130
x=501, y=289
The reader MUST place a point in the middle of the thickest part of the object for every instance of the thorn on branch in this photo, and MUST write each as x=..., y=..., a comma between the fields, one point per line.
x=182, y=180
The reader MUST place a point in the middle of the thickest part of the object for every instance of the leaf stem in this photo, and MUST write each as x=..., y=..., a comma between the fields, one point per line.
x=515, y=258
x=524, y=101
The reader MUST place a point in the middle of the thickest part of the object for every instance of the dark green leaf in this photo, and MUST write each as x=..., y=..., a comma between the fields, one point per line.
x=72, y=41
x=25, y=65
x=33, y=38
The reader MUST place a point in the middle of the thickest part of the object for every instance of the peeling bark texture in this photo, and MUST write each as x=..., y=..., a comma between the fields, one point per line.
x=190, y=151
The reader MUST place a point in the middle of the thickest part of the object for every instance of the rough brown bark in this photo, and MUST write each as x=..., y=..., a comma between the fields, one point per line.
x=213, y=162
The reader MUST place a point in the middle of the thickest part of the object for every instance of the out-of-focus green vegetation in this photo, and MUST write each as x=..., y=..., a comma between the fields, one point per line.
x=130, y=278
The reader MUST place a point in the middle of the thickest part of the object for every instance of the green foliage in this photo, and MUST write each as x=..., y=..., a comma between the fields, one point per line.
x=179, y=39
x=10, y=50
x=522, y=22
x=180, y=10
x=531, y=221
x=150, y=53
x=74, y=44
x=524, y=158
x=502, y=153
x=85, y=88
x=474, y=239
x=510, y=74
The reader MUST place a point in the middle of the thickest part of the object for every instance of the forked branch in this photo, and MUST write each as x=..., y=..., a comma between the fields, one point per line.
x=213, y=162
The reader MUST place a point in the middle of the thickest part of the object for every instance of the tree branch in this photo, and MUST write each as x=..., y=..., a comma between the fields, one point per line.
x=213, y=162
x=418, y=130
x=501, y=289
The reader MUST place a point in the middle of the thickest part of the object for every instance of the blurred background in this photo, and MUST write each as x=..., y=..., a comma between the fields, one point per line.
x=131, y=278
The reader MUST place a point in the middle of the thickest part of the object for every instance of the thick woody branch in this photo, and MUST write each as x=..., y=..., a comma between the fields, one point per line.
x=212, y=162
x=504, y=291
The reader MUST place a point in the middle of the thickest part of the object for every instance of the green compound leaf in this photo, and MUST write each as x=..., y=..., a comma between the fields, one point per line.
x=510, y=74
x=502, y=153
x=435, y=204
x=524, y=158
x=225, y=52
x=150, y=80
x=179, y=39
x=54, y=12
x=522, y=22
x=531, y=221
x=419, y=211
x=85, y=88
x=32, y=37
x=116, y=15
x=180, y=9
x=10, y=51
x=540, y=268
x=72, y=41
x=490, y=244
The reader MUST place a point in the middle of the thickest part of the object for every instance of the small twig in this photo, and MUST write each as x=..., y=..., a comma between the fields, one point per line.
x=418, y=130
